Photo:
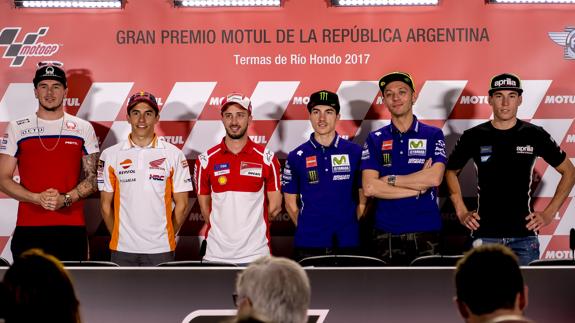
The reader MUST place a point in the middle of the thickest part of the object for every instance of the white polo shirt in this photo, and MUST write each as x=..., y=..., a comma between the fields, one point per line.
x=143, y=180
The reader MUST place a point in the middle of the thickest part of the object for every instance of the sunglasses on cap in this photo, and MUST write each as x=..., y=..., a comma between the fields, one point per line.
x=50, y=63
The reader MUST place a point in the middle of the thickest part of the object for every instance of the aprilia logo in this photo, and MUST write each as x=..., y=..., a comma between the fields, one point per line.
x=19, y=51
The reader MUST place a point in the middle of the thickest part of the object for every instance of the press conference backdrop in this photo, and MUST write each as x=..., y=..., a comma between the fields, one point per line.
x=191, y=58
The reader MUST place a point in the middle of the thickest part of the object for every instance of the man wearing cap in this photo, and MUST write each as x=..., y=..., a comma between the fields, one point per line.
x=324, y=173
x=402, y=165
x=144, y=184
x=52, y=149
x=504, y=151
x=238, y=187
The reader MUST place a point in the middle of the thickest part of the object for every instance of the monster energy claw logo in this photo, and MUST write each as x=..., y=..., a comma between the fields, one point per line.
x=387, y=160
x=312, y=177
x=323, y=96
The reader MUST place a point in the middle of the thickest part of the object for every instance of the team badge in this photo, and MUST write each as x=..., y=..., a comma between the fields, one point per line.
x=310, y=161
x=386, y=160
x=251, y=169
x=340, y=163
x=312, y=176
x=417, y=147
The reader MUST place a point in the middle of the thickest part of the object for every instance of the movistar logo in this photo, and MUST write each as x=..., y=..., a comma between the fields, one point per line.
x=342, y=160
x=416, y=144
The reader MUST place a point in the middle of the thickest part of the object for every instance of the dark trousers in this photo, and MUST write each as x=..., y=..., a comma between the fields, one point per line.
x=402, y=249
x=301, y=253
x=63, y=242
x=141, y=259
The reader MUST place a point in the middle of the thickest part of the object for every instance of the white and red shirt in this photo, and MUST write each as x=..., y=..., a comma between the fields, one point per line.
x=49, y=154
x=143, y=180
x=238, y=185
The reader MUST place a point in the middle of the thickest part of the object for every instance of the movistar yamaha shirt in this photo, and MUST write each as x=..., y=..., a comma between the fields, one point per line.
x=327, y=180
x=392, y=152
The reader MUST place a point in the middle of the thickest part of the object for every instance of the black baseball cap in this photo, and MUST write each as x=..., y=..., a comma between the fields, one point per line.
x=50, y=71
x=505, y=81
x=396, y=76
x=143, y=96
x=323, y=97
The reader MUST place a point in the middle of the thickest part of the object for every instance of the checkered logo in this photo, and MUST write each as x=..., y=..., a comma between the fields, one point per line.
x=29, y=46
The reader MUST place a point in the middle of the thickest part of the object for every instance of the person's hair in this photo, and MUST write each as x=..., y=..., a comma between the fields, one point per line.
x=488, y=278
x=278, y=289
x=38, y=289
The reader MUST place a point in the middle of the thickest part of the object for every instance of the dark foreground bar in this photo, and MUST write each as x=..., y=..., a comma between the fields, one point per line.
x=339, y=295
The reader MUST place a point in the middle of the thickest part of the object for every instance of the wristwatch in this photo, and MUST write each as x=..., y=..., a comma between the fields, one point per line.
x=67, y=200
x=391, y=180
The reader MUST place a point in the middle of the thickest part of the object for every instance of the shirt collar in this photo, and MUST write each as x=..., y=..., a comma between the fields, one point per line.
x=413, y=128
x=317, y=145
x=155, y=143
x=246, y=150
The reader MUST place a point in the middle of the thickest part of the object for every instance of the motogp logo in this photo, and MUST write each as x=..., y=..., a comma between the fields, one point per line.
x=29, y=46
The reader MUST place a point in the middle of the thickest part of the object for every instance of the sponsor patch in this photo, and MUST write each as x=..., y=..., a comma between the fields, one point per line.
x=126, y=164
x=485, y=158
x=310, y=161
x=155, y=164
x=387, y=145
x=251, y=169
x=221, y=169
x=526, y=150
x=23, y=121
x=365, y=154
x=222, y=180
x=312, y=176
x=127, y=180
x=155, y=177
x=70, y=125
x=386, y=160
x=69, y=142
x=416, y=161
x=341, y=177
x=185, y=163
x=31, y=131
x=485, y=149
x=340, y=163
x=417, y=147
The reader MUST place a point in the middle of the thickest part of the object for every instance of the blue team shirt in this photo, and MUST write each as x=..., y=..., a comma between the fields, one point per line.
x=391, y=152
x=327, y=180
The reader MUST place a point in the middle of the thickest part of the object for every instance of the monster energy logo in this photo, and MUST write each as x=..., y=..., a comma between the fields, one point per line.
x=312, y=177
x=387, y=160
x=323, y=96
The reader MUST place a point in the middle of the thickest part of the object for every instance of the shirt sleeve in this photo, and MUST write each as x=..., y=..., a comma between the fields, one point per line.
x=370, y=155
x=90, y=140
x=182, y=178
x=106, y=173
x=8, y=144
x=290, y=176
x=439, y=155
x=462, y=152
x=202, y=176
x=549, y=150
x=273, y=182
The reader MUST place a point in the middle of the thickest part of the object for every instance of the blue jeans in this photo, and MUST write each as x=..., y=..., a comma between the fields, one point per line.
x=526, y=248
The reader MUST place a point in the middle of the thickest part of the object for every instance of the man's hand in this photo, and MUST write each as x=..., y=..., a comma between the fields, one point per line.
x=538, y=220
x=470, y=220
x=49, y=199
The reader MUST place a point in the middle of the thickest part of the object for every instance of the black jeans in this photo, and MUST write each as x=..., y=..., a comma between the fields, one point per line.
x=402, y=249
x=63, y=242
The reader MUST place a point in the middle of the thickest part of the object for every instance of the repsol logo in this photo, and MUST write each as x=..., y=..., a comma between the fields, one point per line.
x=124, y=172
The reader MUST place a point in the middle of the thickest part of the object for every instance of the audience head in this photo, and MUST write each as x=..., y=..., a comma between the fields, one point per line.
x=38, y=289
x=488, y=280
x=274, y=290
